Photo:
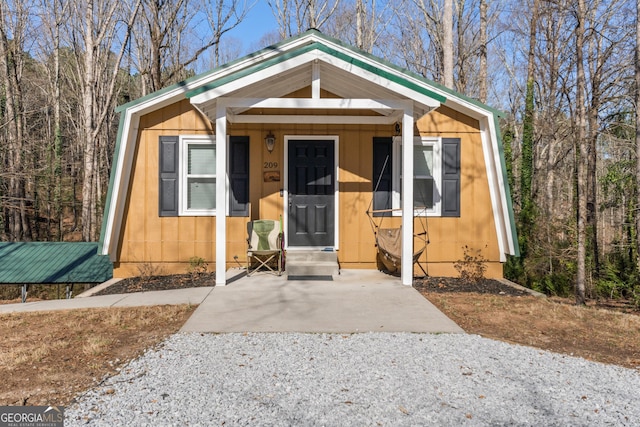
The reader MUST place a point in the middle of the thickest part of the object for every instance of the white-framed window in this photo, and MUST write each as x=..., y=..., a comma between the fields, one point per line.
x=427, y=180
x=197, y=175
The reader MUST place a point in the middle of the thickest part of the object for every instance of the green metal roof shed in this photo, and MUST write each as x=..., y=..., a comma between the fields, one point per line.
x=53, y=262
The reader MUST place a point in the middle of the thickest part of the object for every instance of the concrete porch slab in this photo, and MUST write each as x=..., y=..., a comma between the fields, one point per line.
x=355, y=301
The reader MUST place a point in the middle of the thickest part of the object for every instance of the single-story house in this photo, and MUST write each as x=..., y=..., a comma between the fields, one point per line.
x=313, y=132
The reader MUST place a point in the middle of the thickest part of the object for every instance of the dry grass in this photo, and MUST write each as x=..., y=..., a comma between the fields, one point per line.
x=596, y=334
x=47, y=358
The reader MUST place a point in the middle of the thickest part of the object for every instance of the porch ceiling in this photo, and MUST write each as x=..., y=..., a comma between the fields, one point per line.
x=340, y=83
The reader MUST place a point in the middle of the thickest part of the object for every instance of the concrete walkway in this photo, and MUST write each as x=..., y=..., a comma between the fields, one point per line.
x=193, y=296
x=355, y=301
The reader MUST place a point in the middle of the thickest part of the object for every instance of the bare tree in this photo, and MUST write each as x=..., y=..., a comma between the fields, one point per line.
x=608, y=47
x=223, y=16
x=98, y=27
x=297, y=16
x=637, y=130
x=582, y=153
x=53, y=14
x=447, y=44
x=14, y=20
x=171, y=36
x=364, y=24
x=432, y=21
x=483, y=52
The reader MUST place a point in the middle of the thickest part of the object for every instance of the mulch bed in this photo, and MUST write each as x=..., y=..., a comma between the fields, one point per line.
x=160, y=283
x=455, y=284
x=428, y=284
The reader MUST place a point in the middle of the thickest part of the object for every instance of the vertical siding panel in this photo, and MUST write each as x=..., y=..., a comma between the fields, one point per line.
x=153, y=224
x=137, y=203
x=203, y=240
x=256, y=141
x=348, y=161
x=188, y=116
x=236, y=232
x=367, y=252
x=171, y=117
x=186, y=237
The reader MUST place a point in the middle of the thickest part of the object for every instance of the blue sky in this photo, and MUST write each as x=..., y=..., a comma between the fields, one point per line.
x=259, y=21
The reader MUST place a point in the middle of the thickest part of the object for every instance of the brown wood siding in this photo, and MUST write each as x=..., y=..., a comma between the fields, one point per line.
x=166, y=244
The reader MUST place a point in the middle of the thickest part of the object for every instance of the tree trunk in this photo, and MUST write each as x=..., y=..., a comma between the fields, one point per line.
x=461, y=59
x=482, y=90
x=11, y=62
x=99, y=68
x=57, y=126
x=592, y=182
x=359, y=20
x=447, y=22
x=582, y=157
x=637, y=138
x=88, y=104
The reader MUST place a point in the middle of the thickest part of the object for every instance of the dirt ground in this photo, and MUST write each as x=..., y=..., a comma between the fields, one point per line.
x=490, y=309
x=49, y=358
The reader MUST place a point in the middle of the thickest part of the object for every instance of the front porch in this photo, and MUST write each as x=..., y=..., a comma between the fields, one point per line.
x=355, y=301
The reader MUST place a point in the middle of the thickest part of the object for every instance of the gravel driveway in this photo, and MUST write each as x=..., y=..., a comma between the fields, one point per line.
x=386, y=379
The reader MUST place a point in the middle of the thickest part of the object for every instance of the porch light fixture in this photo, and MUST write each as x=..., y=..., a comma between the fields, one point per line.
x=270, y=141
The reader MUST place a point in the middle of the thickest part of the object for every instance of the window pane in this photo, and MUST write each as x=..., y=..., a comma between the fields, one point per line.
x=423, y=193
x=201, y=193
x=423, y=161
x=202, y=159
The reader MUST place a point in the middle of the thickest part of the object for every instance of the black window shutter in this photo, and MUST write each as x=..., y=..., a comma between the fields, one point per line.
x=382, y=175
x=239, y=175
x=168, y=179
x=451, y=177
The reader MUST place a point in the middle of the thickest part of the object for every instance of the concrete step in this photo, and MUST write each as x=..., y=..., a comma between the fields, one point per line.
x=312, y=256
x=312, y=264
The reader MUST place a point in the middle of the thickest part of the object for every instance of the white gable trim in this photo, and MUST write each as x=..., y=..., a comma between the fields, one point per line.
x=212, y=94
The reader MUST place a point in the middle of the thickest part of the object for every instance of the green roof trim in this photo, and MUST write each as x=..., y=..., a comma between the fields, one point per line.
x=507, y=188
x=406, y=72
x=323, y=48
x=186, y=82
x=390, y=76
x=250, y=70
x=53, y=262
x=279, y=45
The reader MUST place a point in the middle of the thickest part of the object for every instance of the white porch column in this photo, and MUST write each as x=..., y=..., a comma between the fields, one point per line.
x=407, y=197
x=221, y=193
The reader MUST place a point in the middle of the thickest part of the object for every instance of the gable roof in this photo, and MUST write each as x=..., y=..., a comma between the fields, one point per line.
x=316, y=60
x=53, y=262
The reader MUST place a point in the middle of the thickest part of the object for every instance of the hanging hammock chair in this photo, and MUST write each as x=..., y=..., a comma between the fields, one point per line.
x=389, y=240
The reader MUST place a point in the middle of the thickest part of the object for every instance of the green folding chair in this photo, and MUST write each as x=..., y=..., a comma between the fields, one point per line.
x=264, y=239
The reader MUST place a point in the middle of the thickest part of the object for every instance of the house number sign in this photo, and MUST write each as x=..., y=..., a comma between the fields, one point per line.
x=271, y=175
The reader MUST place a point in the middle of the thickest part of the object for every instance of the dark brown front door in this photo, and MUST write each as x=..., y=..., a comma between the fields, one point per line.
x=311, y=190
